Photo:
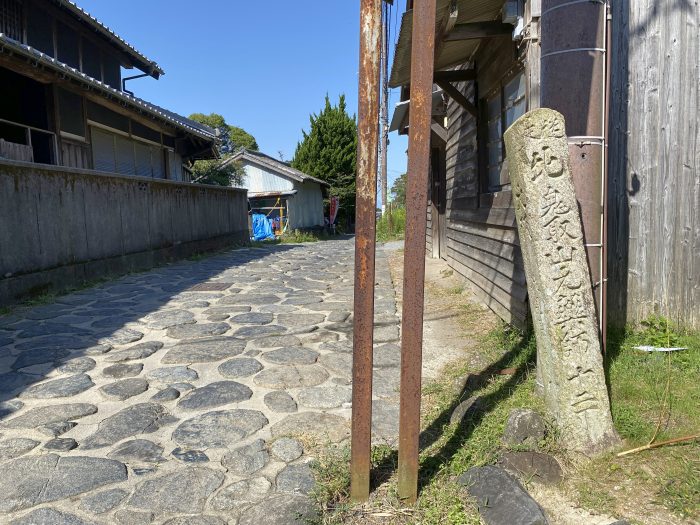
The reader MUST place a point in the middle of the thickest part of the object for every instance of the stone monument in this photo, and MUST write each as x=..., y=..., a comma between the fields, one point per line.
x=570, y=364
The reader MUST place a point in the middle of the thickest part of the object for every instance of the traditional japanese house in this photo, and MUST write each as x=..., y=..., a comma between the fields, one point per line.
x=282, y=192
x=94, y=181
x=63, y=99
x=625, y=76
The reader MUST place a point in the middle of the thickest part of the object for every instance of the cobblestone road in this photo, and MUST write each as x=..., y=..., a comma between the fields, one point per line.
x=186, y=395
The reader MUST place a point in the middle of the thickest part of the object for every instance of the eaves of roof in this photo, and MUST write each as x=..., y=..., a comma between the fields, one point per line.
x=37, y=58
x=399, y=119
x=447, y=54
x=139, y=60
x=275, y=165
x=268, y=194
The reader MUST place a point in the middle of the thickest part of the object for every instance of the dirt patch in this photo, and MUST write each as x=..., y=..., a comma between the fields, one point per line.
x=453, y=320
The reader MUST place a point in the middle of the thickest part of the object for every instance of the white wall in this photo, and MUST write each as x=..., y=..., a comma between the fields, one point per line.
x=258, y=180
x=306, y=207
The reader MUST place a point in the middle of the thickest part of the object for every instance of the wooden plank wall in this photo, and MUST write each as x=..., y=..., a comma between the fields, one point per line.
x=654, y=191
x=482, y=238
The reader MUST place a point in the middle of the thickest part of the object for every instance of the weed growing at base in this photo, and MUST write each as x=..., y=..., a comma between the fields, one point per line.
x=663, y=478
x=392, y=225
x=448, y=449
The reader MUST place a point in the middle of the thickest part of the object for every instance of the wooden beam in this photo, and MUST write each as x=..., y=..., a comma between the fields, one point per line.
x=458, y=97
x=457, y=75
x=478, y=30
x=439, y=131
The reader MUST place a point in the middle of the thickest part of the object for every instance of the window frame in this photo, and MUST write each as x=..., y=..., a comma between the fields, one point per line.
x=6, y=8
x=484, y=137
x=158, y=151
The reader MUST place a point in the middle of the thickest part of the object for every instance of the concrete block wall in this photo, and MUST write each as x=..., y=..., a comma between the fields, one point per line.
x=62, y=226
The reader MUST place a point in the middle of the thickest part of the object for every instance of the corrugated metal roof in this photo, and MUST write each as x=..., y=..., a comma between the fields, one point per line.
x=272, y=163
x=398, y=120
x=451, y=53
x=37, y=58
x=140, y=61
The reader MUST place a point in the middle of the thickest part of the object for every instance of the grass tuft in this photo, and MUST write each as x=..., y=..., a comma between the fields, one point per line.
x=658, y=482
x=300, y=236
x=653, y=395
x=681, y=493
x=447, y=449
x=392, y=225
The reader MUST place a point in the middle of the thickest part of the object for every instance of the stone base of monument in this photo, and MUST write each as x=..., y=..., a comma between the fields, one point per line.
x=501, y=498
x=533, y=466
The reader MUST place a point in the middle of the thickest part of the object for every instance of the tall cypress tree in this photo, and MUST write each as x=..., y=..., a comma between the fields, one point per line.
x=329, y=152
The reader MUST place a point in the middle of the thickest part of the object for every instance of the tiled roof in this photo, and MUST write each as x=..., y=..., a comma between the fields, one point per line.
x=36, y=57
x=276, y=165
x=139, y=59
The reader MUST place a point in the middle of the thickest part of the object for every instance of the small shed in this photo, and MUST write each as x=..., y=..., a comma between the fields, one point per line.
x=280, y=191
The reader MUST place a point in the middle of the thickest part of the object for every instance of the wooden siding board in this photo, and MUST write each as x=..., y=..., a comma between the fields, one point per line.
x=653, y=168
x=501, y=304
x=507, y=272
x=493, y=247
x=481, y=240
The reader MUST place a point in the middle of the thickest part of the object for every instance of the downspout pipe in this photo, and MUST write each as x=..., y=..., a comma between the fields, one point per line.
x=606, y=163
x=132, y=78
x=573, y=82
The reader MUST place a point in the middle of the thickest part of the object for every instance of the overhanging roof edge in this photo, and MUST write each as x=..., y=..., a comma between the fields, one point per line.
x=66, y=71
x=147, y=65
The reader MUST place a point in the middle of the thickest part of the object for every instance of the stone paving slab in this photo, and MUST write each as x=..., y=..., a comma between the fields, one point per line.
x=183, y=395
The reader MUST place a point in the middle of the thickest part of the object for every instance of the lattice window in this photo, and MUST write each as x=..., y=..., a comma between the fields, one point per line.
x=502, y=106
x=11, y=19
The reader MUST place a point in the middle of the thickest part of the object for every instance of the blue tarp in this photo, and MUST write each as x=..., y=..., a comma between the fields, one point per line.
x=261, y=227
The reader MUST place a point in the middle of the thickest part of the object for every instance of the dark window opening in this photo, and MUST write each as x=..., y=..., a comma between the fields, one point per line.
x=102, y=115
x=11, y=19
x=22, y=100
x=42, y=145
x=500, y=108
x=112, y=71
x=12, y=133
x=24, y=116
x=67, y=44
x=91, y=60
x=144, y=132
x=70, y=111
x=39, y=29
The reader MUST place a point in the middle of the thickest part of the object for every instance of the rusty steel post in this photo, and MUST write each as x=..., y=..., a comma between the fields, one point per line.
x=365, y=241
x=422, y=59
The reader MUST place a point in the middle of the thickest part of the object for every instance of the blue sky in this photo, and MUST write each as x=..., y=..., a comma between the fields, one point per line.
x=263, y=65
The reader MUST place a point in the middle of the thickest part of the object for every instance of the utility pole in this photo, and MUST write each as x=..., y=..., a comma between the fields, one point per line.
x=384, y=106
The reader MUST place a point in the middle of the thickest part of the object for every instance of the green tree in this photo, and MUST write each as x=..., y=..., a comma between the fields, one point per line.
x=231, y=138
x=240, y=138
x=398, y=191
x=217, y=172
x=328, y=151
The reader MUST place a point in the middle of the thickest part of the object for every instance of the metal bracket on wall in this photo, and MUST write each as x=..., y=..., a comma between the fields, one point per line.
x=458, y=97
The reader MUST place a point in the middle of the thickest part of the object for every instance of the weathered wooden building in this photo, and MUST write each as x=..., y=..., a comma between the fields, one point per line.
x=654, y=170
x=64, y=101
x=93, y=180
x=495, y=60
x=278, y=190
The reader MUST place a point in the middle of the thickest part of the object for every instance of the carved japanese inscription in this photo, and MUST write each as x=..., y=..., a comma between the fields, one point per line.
x=570, y=365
